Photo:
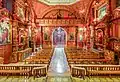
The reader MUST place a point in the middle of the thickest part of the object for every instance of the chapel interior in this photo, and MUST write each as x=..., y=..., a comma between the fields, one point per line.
x=59, y=40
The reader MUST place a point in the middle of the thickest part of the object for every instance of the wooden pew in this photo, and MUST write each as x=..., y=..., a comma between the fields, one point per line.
x=78, y=72
x=37, y=61
x=15, y=72
x=86, y=61
x=41, y=57
x=93, y=70
x=103, y=72
x=39, y=71
x=20, y=69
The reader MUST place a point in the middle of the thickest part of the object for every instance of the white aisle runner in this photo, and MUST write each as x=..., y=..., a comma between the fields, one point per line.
x=59, y=62
x=59, y=68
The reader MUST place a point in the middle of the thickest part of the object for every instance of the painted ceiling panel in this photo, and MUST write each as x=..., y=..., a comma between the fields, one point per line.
x=58, y=2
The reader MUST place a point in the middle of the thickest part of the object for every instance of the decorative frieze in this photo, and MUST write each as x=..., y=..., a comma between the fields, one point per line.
x=58, y=22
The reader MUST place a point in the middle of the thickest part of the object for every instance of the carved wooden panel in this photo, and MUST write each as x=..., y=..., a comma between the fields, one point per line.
x=58, y=22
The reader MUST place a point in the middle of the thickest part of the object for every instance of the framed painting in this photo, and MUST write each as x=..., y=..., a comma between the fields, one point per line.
x=5, y=31
x=102, y=11
x=71, y=36
x=46, y=34
x=20, y=12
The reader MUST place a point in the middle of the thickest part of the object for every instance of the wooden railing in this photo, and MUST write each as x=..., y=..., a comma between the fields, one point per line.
x=78, y=72
x=26, y=69
x=95, y=69
x=39, y=71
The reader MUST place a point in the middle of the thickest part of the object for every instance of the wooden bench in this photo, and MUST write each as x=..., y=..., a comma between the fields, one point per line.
x=15, y=72
x=39, y=71
x=38, y=61
x=102, y=72
x=78, y=72
x=85, y=61
x=99, y=69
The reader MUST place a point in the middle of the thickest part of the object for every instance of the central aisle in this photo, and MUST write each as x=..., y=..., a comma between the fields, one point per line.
x=59, y=68
x=59, y=62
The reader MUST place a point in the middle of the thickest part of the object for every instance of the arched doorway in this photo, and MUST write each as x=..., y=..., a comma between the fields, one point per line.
x=59, y=37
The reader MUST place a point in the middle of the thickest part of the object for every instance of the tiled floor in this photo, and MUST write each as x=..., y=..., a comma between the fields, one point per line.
x=59, y=79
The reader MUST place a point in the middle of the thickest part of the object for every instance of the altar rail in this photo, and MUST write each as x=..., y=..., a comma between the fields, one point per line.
x=20, y=69
x=95, y=69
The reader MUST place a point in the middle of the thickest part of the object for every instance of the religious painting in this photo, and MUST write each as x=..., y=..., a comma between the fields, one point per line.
x=13, y=57
x=102, y=11
x=99, y=36
x=37, y=36
x=5, y=31
x=80, y=38
x=23, y=38
x=71, y=36
x=59, y=14
x=46, y=37
x=20, y=12
x=71, y=33
x=80, y=34
x=46, y=33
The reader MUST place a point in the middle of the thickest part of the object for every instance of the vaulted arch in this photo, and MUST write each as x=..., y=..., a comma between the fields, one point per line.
x=88, y=9
x=60, y=7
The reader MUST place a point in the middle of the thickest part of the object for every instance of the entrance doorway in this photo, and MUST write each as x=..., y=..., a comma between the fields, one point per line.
x=59, y=37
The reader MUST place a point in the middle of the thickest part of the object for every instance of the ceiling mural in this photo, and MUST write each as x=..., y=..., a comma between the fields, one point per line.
x=76, y=8
x=58, y=2
x=60, y=14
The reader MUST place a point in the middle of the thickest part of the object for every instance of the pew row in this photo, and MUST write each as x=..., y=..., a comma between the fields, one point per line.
x=78, y=72
x=96, y=70
x=40, y=57
x=89, y=61
x=24, y=70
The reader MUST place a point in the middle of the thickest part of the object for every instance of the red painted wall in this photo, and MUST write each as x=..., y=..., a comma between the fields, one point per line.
x=6, y=51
